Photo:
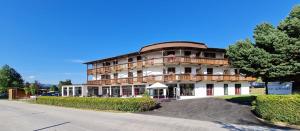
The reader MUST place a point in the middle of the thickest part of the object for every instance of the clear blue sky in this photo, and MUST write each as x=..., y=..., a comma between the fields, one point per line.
x=47, y=40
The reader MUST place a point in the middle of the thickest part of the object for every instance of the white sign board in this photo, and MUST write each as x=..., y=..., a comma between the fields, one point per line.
x=280, y=88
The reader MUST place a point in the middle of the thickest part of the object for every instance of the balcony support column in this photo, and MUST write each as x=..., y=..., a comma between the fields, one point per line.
x=73, y=88
x=109, y=91
x=132, y=90
x=68, y=91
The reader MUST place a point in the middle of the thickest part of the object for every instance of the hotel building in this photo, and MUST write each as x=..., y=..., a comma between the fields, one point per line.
x=188, y=69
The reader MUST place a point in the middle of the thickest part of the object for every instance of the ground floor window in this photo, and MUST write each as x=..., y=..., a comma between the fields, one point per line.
x=187, y=89
x=225, y=89
x=78, y=91
x=158, y=93
x=127, y=90
x=105, y=91
x=65, y=90
x=115, y=91
x=139, y=89
x=70, y=91
x=93, y=91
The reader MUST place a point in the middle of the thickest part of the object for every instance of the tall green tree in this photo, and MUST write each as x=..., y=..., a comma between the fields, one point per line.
x=9, y=77
x=61, y=83
x=274, y=55
x=53, y=88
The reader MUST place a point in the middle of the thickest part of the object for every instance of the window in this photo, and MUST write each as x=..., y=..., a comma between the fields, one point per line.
x=130, y=59
x=170, y=53
x=225, y=89
x=70, y=91
x=187, y=70
x=130, y=74
x=115, y=62
x=209, y=55
x=236, y=71
x=138, y=58
x=187, y=90
x=65, y=91
x=105, y=77
x=115, y=75
x=78, y=91
x=187, y=53
x=115, y=91
x=105, y=91
x=198, y=54
x=106, y=64
x=210, y=71
x=92, y=91
x=127, y=90
x=171, y=70
x=139, y=89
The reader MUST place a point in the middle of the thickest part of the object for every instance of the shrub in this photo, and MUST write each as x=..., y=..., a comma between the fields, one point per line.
x=278, y=108
x=118, y=104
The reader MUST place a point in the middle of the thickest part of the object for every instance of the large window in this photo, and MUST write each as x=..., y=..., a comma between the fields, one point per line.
x=225, y=89
x=210, y=71
x=209, y=55
x=65, y=91
x=78, y=91
x=93, y=91
x=187, y=53
x=105, y=91
x=115, y=91
x=139, y=89
x=171, y=70
x=70, y=91
x=187, y=70
x=187, y=90
x=127, y=90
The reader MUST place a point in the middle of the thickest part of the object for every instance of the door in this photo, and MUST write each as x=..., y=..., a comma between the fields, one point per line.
x=130, y=77
x=209, y=89
x=140, y=76
x=237, y=89
x=225, y=89
x=171, y=92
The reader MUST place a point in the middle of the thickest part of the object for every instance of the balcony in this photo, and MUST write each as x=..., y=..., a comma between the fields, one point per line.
x=170, y=78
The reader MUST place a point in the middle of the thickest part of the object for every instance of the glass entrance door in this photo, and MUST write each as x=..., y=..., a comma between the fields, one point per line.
x=171, y=92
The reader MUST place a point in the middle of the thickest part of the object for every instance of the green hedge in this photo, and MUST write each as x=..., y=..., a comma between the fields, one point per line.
x=118, y=104
x=278, y=108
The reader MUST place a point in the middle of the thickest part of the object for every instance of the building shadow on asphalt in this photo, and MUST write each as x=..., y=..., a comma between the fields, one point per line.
x=242, y=100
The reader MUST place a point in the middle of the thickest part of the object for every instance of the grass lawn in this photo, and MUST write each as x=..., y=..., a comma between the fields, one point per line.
x=242, y=99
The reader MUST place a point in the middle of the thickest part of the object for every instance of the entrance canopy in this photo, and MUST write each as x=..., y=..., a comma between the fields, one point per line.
x=158, y=85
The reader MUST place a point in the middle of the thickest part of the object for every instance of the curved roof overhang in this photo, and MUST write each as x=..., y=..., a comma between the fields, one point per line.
x=173, y=44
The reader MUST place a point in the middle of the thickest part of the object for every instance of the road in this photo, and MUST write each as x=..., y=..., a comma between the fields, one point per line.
x=16, y=116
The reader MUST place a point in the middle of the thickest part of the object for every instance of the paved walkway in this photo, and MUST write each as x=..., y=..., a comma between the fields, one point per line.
x=15, y=116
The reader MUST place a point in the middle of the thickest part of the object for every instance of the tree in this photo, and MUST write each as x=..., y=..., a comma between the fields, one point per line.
x=275, y=53
x=53, y=88
x=26, y=88
x=9, y=77
x=61, y=83
x=33, y=88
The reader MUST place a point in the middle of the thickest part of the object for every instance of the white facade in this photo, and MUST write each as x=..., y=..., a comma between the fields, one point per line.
x=189, y=69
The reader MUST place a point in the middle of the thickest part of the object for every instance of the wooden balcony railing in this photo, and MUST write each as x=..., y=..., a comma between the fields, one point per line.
x=170, y=78
x=157, y=61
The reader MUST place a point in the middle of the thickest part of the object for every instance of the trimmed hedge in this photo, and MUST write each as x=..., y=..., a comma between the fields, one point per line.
x=118, y=104
x=278, y=108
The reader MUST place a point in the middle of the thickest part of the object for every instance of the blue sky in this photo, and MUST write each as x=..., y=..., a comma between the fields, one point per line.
x=47, y=40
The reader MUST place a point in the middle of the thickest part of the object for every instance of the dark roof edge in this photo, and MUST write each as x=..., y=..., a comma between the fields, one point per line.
x=192, y=42
x=110, y=58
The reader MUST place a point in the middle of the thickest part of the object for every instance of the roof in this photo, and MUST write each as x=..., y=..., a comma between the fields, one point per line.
x=172, y=44
x=161, y=45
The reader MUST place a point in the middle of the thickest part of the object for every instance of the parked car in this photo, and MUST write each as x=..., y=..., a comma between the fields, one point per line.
x=50, y=94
